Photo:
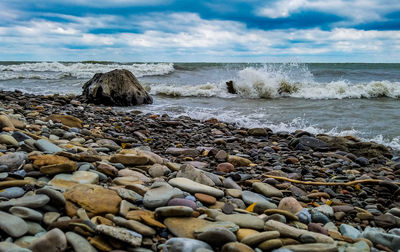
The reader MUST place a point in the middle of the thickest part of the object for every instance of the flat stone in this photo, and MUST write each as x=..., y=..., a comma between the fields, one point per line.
x=267, y=190
x=243, y=220
x=11, y=247
x=67, y=167
x=217, y=236
x=292, y=232
x=250, y=197
x=236, y=193
x=47, y=147
x=182, y=202
x=8, y=140
x=12, y=225
x=129, y=159
x=34, y=201
x=185, y=244
x=56, y=197
x=238, y=161
x=79, y=243
x=174, y=211
x=135, y=226
x=378, y=237
x=183, y=151
x=194, y=187
x=205, y=199
x=85, y=177
x=12, y=192
x=91, y=198
x=270, y=244
x=349, y=231
x=26, y=213
x=312, y=247
x=50, y=217
x=287, y=214
x=52, y=241
x=67, y=120
x=255, y=239
x=121, y=234
x=13, y=160
x=189, y=172
x=159, y=195
x=236, y=247
x=34, y=228
x=325, y=209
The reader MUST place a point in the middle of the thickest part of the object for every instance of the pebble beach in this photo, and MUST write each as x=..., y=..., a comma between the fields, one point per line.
x=81, y=177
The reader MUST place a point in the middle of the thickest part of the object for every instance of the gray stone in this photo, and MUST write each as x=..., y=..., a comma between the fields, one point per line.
x=13, y=160
x=230, y=184
x=313, y=247
x=349, y=231
x=11, y=247
x=377, y=236
x=47, y=147
x=194, y=187
x=158, y=170
x=34, y=228
x=260, y=237
x=122, y=234
x=12, y=192
x=217, y=236
x=189, y=172
x=184, y=245
x=34, y=201
x=267, y=190
x=159, y=195
x=252, y=197
x=26, y=213
x=135, y=226
x=52, y=241
x=183, y=151
x=260, y=207
x=325, y=209
x=12, y=225
x=56, y=197
x=242, y=220
x=78, y=243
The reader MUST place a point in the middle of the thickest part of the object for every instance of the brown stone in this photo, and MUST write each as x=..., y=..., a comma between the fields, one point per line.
x=206, y=199
x=318, y=195
x=244, y=232
x=129, y=159
x=225, y=167
x=137, y=214
x=290, y=204
x=67, y=120
x=236, y=247
x=238, y=161
x=151, y=221
x=59, y=168
x=5, y=122
x=95, y=199
x=292, y=160
x=47, y=159
x=100, y=243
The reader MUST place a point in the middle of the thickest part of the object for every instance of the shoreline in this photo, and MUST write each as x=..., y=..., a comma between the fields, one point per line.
x=132, y=153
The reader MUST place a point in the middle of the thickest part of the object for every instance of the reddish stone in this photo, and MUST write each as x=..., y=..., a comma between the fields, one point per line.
x=225, y=167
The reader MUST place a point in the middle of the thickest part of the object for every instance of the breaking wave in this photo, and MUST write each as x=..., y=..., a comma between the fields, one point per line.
x=79, y=70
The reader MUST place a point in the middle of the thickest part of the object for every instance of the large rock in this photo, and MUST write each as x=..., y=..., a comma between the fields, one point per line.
x=118, y=87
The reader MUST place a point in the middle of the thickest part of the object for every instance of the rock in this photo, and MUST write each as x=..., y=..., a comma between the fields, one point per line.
x=378, y=237
x=129, y=159
x=118, y=87
x=174, y=211
x=236, y=247
x=267, y=190
x=47, y=147
x=225, y=168
x=5, y=122
x=59, y=168
x=205, y=199
x=135, y=226
x=26, y=213
x=260, y=207
x=290, y=204
x=314, y=247
x=242, y=220
x=91, y=198
x=158, y=170
x=325, y=209
x=34, y=201
x=67, y=120
x=12, y=225
x=270, y=244
x=12, y=192
x=253, y=240
x=288, y=215
x=13, y=160
x=289, y=231
x=159, y=195
x=182, y=202
x=258, y=132
x=52, y=241
x=185, y=245
x=386, y=221
x=217, y=236
x=121, y=234
x=189, y=172
x=349, y=231
x=85, y=177
x=313, y=143
x=78, y=243
x=194, y=187
x=8, y=140
x=11, y=247
x=250, y=197
x=238, y=161
x=183, y=151
x=50, y=217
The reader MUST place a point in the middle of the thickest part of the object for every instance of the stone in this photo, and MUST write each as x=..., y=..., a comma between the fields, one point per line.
x=378, y=237
x=122, y=234
x=5, y=122
x=270, y=244
x=26, y=213
x=325, y=209
x=52, y=241
x=189, y=172
x=12, y=192
x=34, y=201
x=118, y=87
x=182, y=151
x=135, y=226
x=236, y=193
x=319, y=217
x=258, y=132
x=56, y=197
x=179, y=244
x=79, y=243
x=158, y=170
x=238, y=161
x=313, y=143
x=59, y=168
x=39, y=161
x=242, y=220
x=194, y=187
x=244, y=232
x=217, y=237
x=34, y=228
x=182, y=202
x=159, y=195
x=47, y=146
x=12, y=225
x=253, y=240
x=225, y=168
x=349, y=231
x=236, y=247
x=288, y=215
x=8, y=140
x=174, y=211
x=313, y=247
x=85, y=177
x=129, y=159
x=260, y=207
x=292, y=232
x=91, y=198
x=267, y=190
x=11, y=247
x=50, y=217
x=290, y=204
x=13, y=160
x=250, y=197
x=205, y=199
x=304, y=216
x=67, y=120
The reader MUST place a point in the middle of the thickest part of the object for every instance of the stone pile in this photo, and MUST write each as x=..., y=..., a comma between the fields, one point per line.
x=79, y=177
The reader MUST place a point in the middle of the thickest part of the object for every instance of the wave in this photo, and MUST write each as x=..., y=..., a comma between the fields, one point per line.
x=80, y=70
x=286, y=80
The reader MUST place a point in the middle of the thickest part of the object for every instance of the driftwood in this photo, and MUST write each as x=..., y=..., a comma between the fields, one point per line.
x=350, y=183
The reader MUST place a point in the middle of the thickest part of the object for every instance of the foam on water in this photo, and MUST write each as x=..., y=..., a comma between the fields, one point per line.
x=80, y=70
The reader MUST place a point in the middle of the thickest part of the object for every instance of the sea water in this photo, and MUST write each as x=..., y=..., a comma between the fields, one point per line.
x=356, y=99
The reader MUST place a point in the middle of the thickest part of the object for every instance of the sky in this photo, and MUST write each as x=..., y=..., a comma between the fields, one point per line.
x=200, y=31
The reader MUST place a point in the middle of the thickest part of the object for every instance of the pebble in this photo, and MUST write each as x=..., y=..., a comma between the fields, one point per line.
x=194, y=187
x=121, y=234
x=290, y=204
x=53, y=241
x=267, y=190
x=349, y=231
x=217, y=237
x=185, y=244
x=159, y=195
x=79, y=243
x=34, y=201
x=12, y=192
x=12, y=225
x=26, y=213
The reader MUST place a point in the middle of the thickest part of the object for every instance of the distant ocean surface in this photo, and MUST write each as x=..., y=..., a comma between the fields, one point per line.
x=362, y=100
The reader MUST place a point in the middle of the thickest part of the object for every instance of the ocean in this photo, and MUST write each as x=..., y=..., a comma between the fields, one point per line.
x=357, y=99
